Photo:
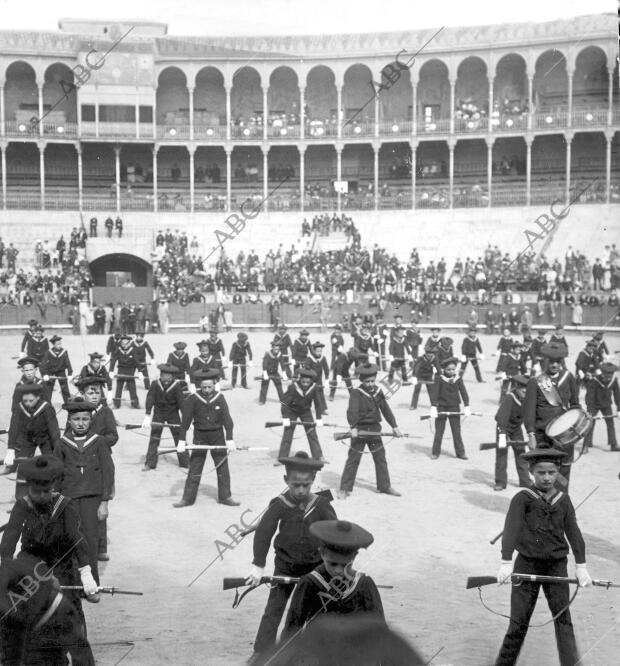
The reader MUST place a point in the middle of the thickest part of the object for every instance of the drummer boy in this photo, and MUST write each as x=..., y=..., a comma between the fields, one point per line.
x=543, y=552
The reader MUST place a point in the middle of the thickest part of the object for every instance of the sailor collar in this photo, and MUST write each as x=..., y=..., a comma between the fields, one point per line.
x=57, y=354
x=301, y=391
x=377, y=393
x=71, y=441
x=179, y=354
x=172, y=385
x=37, y=411
x=208, y=401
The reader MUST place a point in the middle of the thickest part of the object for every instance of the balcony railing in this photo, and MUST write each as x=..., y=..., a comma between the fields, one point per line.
x=550, y=120
x=587, y=118
x=471, y=125
x=209, y=131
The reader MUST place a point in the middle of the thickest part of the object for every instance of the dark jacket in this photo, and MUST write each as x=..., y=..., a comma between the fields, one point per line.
x=296, y=403
x=141, y=349
x=37, y=427
x=509, y=416
x=206, y=414
x=366, y=409
x=56, y=363
x=538, y=410
x=180, y=360
x=447, y=394
x=165, y=403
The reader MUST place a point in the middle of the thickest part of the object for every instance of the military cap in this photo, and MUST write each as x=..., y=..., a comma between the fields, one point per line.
x=282, y=327
x=55, y=338
x=79, y=404
x=180, y=345
x=92, y=379
x=599, y=335
x=42, y=470
x=367, y=370
x=558, y=327
x=301, y=462
x=341, y=537
x=242, y=336
x=554, y=351
x=354, y=353
x=27, y=360
x=608, y=368
x=398, y=327
x=472, y=328
x=140, y=333
x=304, y=332
x=516, y=343
x=306, y=372
x=171, y=369
x=544, y=455
x=33, y=322
x=275, y=343
x=40, y=328
x=317, y=345
x=449, y=361
x=435, y=328
x=446, y=340
x=338, y=327
x=213, y=331
x=35, y=389
x=397, y=316
x=213, y=374
x=591, y=343
x=519, y=380
x=96, y=355
x=527, y=337
x=125, y=337
x=203, y=343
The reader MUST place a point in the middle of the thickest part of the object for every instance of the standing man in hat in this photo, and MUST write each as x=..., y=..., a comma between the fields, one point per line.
x=286, y=344
x=48, y=525
x=399, y=353
x=444, y=351
x=88, y=476
x=509, y=365
x=471, y=351
x=446, y=397
x=57, y=366
x=541, y=552
x=208, y=411
x=204, y=362
x=296, y=551
x=179, y=358
x=271, y=372
x=164, y=400
x=601, y=346
x=127, y=366
x=424, y=370
x=28, y=335
x=240, y=357
x=365, y=344
x=38, y=345
x=599, y=393
x=341, y=368
x=318, y=364
x=28, y=366
x=95, y=368
x=337, y=342
x=380, y=332
x=548, y=395
x=33, y=424
x=367, y=405
x=432, y=344
x=504, y=346
x=537, y=344
x=113, y=344
x=587, y=364
x=300, y=350
x=509, y=419
x=141, y=349
x=334, y=586
x=216, y=349
x=558, y=337
x=296, y=404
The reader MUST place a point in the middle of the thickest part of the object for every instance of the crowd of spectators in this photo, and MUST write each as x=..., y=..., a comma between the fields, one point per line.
x=324, y=224
x=59, y=276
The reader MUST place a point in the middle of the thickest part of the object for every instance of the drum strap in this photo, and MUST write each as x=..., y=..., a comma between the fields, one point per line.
x=548, y=389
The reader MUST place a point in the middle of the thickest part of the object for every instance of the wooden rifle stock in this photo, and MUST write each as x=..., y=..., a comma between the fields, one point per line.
x=486, y=446
x=136, y=426
x=231, y=583
x=480, y=581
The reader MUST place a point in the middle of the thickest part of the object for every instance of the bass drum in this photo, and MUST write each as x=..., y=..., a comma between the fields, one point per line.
x=570, y=427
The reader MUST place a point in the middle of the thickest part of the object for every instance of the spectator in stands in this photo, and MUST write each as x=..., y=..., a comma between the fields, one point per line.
x=11, y=256
x=93, y=227
x=109, y=226
x=118, y=224
x=598, y=274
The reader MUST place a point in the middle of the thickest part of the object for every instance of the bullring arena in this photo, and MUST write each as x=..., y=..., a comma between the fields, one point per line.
x=483, y=178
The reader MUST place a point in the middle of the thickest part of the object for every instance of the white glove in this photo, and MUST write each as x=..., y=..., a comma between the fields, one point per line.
x=192, y=388
x=414, y=381
x=9, y=458
x=339, y=350
x=494, y=353
x=88, y=582
x=150, y=361
x=249, y=363
x=580, y=374
x=434, y=412
x=467, y=410
x=390, y=357
x=181, y=446
x=481, y=357
x=410, y=358
x=112, y=374
x=503, y=375
x=338, y=379
x=224, y=363
x=46, y=378
x=463, y=358
x=501, y=442
x=286, y=422
x=597, y=371
x=531, y=441
x=334, y=341
x=380, y=340
x=230, y=445
x=146, y=422
x=504, y=573
x=319, y=423
x=218, y=386
x=265, y=374
x=22, y=354
x=256, y=573
x=582, y=575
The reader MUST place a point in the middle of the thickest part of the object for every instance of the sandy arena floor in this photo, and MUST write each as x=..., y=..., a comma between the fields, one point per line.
x=427, y=542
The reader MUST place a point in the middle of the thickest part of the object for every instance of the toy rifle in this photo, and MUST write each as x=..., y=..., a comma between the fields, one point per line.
x=366, y=433
x=322, y=493
x=601, y=416
x=236, y=583
x=137, y=426
x=206, y=447
x=4, y=432
x=282, y=379
x=480, y=581
x=486, y=446
x=104, y=590
x=426, y=417
x=275, y=424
